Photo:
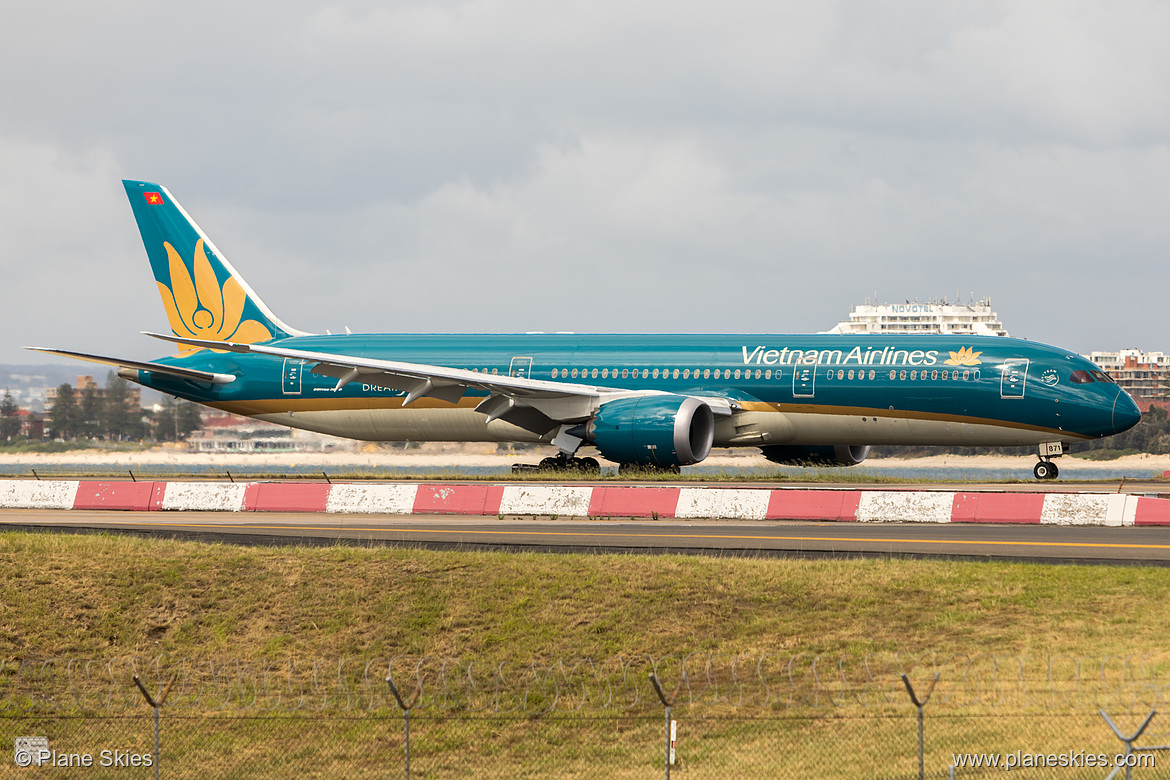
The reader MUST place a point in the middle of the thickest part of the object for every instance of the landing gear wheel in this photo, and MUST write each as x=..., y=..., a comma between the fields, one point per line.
x=1045, y=470
x=552, y=464
x=590, y=464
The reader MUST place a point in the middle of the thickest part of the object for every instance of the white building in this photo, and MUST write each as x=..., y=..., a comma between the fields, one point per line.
x=915, y=319
x=1142, y=374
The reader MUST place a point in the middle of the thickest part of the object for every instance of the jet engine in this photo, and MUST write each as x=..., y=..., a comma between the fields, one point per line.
x=659, y=430
x=823, y=455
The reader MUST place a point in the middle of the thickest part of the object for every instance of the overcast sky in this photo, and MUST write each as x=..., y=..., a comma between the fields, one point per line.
x=592, y=166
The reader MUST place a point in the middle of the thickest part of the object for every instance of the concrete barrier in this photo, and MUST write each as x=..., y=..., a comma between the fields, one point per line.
x=372, y=499
x=813, y=505
x=997, y=508
x=29, y=494
x=633, y=502
x=545, y=500
x=124, y=496
x=458, y=499
x=203, y=497
x=723, y=503
x=867, y=506
x=899, y=506
x=286, y=497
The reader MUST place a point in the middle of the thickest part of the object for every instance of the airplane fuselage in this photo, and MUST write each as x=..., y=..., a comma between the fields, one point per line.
x=788, y=389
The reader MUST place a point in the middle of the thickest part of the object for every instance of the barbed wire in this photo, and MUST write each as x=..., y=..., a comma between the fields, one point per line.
x=765, y=682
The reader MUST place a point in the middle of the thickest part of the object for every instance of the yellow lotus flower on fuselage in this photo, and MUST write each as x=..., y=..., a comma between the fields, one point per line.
x=966, y=356
x=199, y=308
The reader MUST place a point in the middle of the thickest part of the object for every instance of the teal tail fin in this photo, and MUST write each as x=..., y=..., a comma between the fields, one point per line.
x=204, y=297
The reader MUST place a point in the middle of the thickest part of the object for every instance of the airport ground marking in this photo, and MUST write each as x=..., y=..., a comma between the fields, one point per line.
x=256, y=527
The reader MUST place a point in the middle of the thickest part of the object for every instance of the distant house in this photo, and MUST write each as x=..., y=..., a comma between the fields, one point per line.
x=1142, y=374
x=32, y=424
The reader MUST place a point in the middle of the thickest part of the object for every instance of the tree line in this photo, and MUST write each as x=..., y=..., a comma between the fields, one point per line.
x=107, y=413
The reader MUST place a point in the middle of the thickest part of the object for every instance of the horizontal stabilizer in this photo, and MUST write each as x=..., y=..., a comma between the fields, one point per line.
x=158, y=368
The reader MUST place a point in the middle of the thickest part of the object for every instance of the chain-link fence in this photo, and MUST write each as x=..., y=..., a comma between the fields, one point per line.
x=761, y=715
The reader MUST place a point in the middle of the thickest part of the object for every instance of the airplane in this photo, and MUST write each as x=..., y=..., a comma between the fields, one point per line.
x=641, y=400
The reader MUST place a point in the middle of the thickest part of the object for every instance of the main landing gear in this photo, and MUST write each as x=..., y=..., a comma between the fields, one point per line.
x=1046, y=469
x=568, y=439
x=560, y=462
x=563, y=462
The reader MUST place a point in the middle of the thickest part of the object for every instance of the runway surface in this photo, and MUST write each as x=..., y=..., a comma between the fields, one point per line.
x=1046, y=543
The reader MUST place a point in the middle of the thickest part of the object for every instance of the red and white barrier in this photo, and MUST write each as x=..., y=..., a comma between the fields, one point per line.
x=534, y=500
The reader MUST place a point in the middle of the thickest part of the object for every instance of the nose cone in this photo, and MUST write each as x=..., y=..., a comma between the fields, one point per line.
x=1126, y=413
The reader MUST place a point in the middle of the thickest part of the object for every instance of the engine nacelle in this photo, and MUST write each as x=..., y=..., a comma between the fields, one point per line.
x=659, y=430
x=824, y=455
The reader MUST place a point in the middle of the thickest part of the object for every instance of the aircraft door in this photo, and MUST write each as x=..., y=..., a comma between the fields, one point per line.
x=521, y=367
x=291, y=376
x=804, y=382
x=1015, y=376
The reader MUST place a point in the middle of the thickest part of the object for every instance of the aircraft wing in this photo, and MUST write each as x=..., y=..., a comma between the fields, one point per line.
x=509, y=396
x=158, y=368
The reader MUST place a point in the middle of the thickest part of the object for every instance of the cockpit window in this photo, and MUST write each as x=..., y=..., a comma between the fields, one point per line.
x=1081, y=377
x=1101, y=376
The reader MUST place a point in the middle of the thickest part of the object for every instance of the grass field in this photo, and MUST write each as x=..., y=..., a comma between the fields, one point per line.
x=87, y=595
x=97, y=596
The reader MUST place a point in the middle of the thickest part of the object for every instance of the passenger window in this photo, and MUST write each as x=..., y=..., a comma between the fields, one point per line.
x=902, y=375
x=933, y=375
x=605, y=373
x=944, y=374
x=851, y=373
x=893, y=375
x=913, y=374
x=737, y=373
x=625, y=373
x=574, y=373
x=716, y=373
x=595, y=373
x=555, y=373
x=768, y=374
x=675, y=374
x=1081, y=378
x=841, y=374
x=966, y=375
x=872, y=374
x=706, y=373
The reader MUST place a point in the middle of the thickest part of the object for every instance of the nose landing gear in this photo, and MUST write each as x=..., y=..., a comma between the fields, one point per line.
x=1046, y=469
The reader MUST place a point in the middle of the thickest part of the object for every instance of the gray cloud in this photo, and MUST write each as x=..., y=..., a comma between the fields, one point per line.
x=592, y=166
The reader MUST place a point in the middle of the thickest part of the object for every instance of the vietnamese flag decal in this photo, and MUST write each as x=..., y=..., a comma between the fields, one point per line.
x=154, y=198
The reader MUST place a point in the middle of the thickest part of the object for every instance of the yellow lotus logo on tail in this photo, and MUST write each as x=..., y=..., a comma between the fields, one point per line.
x=199, y=308
x=966, y=356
